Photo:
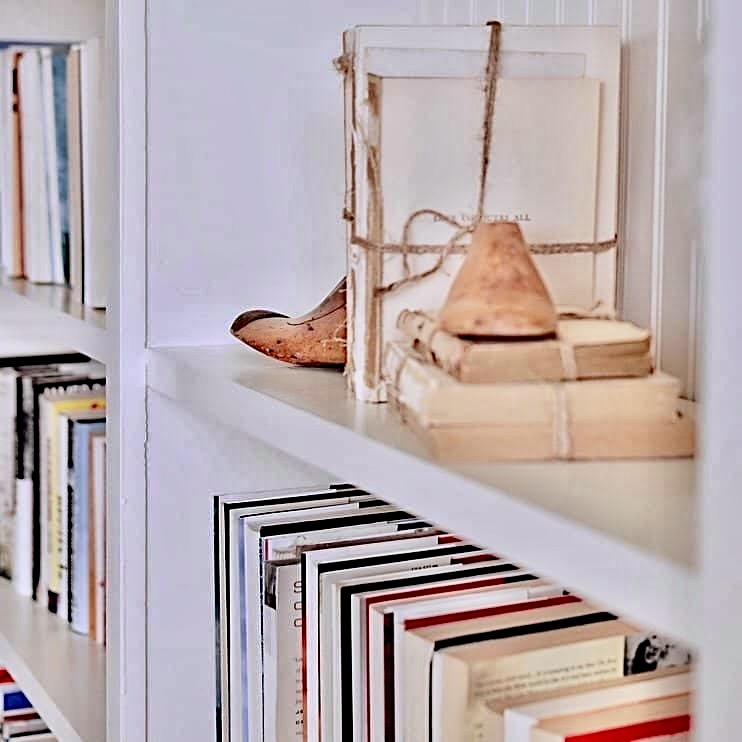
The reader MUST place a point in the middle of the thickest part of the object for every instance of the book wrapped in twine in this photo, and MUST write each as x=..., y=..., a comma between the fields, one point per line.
x=365, y=322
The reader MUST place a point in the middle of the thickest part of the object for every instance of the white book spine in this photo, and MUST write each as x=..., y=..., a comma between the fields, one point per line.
x=7, y=470
x=6, y=163
x=62, y=475
x=35, y=192
x=23, y=547
x=51, y=169
x=282, y=670
x=99, y=515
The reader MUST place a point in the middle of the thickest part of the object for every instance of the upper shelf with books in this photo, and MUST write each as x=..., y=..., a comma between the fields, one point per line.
x=621, y=532
x=62, y=674
x=55, y=315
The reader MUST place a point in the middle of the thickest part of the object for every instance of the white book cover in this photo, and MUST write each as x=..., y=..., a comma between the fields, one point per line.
x=7, y=155
x=74, y=151
x=98, y=501
x=316, y=716
x=283, y=617
x=253, y=586
x=231, y=574
x=51, y=168
x=349, y=669
x=37, y=239
x=338, y=634
x=8, y=507
x=95, y=246
x=553, y=164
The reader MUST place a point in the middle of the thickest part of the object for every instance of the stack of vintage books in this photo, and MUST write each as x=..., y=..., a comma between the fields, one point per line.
x=589, y=393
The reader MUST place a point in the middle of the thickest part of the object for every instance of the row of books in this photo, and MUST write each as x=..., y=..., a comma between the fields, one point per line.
x=52, y=483
x=47, y=95
x=342, y=617
x=19, y=720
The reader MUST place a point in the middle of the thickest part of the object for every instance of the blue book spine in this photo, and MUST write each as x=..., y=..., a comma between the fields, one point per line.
x=80, y=556
x=15, y=701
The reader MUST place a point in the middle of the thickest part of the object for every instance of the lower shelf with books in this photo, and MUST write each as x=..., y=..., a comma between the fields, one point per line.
x=62, y=673
x=371, y=624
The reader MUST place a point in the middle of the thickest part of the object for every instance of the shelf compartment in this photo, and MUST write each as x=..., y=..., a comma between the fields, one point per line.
x=63, y=674
x=621, y=532
x=51, y=312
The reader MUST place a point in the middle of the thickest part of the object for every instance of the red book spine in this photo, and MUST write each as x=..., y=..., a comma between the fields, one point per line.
x=643, y=731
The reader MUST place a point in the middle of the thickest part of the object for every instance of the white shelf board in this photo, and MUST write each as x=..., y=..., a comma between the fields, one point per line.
x=622, y=533
x=63, y=674
x=50, y=312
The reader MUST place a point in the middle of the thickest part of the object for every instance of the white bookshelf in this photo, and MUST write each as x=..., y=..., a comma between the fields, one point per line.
x=616, y=530
x=63, y=674
x=214, y=205
x=56, y=315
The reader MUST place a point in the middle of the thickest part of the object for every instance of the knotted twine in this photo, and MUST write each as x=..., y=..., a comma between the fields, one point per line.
x=405, y=248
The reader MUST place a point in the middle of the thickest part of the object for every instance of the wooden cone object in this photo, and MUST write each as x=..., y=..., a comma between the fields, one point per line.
x=498, y=291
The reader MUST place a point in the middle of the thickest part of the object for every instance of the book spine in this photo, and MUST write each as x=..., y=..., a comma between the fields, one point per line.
x=79, y=535
x=23, y=546
x=7, y=473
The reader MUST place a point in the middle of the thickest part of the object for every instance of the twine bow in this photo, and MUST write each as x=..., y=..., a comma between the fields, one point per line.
x=454, y=245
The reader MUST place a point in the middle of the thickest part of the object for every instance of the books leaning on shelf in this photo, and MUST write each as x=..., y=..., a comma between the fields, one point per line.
x=18, y=718
x=48, y=98
x=342, y=617
x=52, y=483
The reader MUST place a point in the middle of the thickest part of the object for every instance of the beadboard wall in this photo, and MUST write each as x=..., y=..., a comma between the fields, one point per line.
x=662, y=155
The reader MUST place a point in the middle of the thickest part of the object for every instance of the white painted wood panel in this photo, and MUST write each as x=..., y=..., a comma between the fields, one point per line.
x=683, y=149
x=41, y=21
x=246, y=158
x=575, y=12
x=487, y=10
x=515, y=11
x=190, y=460
x=720, y=711
x=542, y=12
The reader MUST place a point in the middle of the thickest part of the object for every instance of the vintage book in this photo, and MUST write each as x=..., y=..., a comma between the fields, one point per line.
x=583, y=349
x=411, y=91
x=663, y=717
x=498, y=721
x=609, y=418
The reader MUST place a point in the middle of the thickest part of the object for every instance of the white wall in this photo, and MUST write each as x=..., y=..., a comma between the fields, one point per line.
x=190, y=460
x=246, y=160
x=41, y=21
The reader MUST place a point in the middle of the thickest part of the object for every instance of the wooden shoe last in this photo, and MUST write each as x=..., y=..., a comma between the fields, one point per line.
x=317, y=338
x=498, y=291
